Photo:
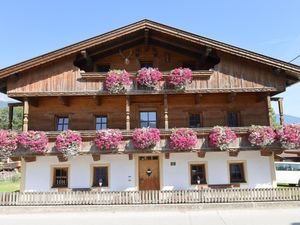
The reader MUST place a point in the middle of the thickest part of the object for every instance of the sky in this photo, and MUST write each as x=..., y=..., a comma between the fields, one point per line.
x=270, y=27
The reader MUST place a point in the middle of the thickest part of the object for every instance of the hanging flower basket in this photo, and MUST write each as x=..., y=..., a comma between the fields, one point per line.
x=8, y=142
x=145, y=138
x=108, y=139
x=33, y=141
x=68, y=143
x=221, y=137
x=183, y=139
x=117, y=81
x=148, y=77
x=180, y=78
x=289, y=136
x=261, y=136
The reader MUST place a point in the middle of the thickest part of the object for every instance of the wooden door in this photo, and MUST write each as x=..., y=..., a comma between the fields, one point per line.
x=149, y=173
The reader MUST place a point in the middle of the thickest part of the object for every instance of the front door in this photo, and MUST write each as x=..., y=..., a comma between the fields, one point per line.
x=149, y=173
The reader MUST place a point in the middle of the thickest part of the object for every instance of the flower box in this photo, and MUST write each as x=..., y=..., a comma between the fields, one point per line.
x=117, y=81
x=148, y=77
x=145, y=138
x=221, y=137
x=261, y=136
x=179, y=78
x=183, y=139
x=68, y=143
x=8, y=142
x=33, y=141
x=108, y=139
x=289, y=136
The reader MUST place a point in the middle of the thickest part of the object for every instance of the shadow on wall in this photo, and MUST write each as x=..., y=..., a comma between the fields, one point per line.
x=295, y=223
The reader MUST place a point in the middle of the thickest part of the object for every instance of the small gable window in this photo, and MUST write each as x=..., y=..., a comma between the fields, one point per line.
x=232, y=119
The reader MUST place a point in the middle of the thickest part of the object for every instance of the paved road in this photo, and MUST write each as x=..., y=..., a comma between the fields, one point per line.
x=175, y=217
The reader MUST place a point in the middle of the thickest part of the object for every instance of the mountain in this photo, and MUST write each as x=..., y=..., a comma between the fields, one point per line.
x=289, y=119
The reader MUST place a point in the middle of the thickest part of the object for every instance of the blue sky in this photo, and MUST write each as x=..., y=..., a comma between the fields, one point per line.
x=271, y=27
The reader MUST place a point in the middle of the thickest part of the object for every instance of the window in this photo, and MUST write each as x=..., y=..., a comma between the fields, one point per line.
x=103, y=68
x=60, y=178
x=100, y=176
x=198, y=173
x=101, y=122
x=194, y=120
x=148, y=119
x=146, y=64
x=62, y=123
x=237, y=173
x=232, y=119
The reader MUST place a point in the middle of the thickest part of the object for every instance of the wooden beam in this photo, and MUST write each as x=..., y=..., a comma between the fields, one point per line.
x=64, y=100
x=127, y=108
x=33, y=102
x=97, y=99
x=201, y=154
x=30, y=158
x=96, y=157
x=280, y=107
x=198, y=98
x=269, y=109
x=25, y=114
x=62, y=158
x=167, y=155
x=130, y=156
x=146, y=37
x=166, y=112
x=231, y=97
x=10, y=116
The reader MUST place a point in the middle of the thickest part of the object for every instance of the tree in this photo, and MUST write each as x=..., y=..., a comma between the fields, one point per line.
x=17, y=118
x=274, y=123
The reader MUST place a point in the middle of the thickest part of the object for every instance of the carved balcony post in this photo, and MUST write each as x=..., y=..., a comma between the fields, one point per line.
x=10, y=116
x=166, y=113
x=127, y=112
x=280, y=106
x=25, y=114
x=269, y=106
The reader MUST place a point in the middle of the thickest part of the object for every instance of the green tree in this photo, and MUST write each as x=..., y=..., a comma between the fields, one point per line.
x=17, y=118
x=274, y=123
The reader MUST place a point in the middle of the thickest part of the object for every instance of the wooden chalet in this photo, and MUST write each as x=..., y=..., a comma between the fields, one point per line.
x=64, y=89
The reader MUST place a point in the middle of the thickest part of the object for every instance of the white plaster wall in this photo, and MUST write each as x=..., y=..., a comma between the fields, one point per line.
x=122, y=171
x=258, y=172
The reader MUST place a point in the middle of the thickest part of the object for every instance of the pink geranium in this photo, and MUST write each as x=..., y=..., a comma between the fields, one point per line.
x=117, y=81
x=68, y=142
x=180, y=77
x=289, y=136
x=145, y=138
x=183, y=139
x=148, y=77
x=8, y=142
x=108, y=139
x=261, y=136
x=34, y=141
x=221, y=137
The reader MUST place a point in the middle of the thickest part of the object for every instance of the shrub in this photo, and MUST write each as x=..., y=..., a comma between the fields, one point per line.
x=8, y=142
x=145, y=138
x=180, y=77
x=117, y=81
x=289, y=136
x=221, y=137
x=34, y=141
x=261, y=136
x=108, y=139
x=68, y=143
x=183, y=139
x=148, y=77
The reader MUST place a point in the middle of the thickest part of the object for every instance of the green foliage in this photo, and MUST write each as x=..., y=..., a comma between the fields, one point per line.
x=17, y=118
x=274, y=123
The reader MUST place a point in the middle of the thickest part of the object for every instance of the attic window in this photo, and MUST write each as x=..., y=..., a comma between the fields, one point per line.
x=146, y=64
x=103, y=68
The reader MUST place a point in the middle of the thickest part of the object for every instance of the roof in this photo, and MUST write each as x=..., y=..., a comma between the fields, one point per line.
x=293, y=70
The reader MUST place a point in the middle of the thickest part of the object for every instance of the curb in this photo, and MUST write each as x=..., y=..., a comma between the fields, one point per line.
x=150, y=208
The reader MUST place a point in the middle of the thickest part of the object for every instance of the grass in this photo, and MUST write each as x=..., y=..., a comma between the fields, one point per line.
x=9, y=186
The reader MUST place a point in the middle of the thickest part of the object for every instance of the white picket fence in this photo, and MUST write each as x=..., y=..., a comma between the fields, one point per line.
x=149, y=197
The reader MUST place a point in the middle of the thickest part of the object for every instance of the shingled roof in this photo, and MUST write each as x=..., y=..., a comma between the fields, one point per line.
x=293, y=70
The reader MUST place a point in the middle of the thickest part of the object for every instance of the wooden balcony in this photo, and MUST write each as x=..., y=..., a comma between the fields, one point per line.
x=88, y=146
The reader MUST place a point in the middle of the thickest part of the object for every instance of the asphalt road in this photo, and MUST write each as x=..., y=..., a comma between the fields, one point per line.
x=175, y=217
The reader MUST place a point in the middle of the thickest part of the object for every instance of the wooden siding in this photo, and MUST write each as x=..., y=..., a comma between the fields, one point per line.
x=61, y=77
x=211, y=107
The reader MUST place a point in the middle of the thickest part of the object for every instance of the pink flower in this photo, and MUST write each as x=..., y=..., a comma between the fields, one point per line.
x=148, y=77
x=289, y=136
x=221, y=137
x=145, y=138
x=183, y=139
x=179, y=78
x=261, y=136
x=68, y=142
x=108, y=139
x=117, y=81
x=8, y=142
x=34, y=141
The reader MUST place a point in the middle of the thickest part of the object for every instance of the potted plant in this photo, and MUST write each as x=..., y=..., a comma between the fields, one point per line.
x=289, y=136
x=180, y=78
x=68, y=143
x=33, y=141
x=8, y=142
x=148, y=77
x=108, y=139
x=183, y=139
x=145, y=138
x=221, y=137
x=117, y=81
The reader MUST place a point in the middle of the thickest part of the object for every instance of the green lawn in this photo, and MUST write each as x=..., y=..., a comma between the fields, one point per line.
x=9, y=186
